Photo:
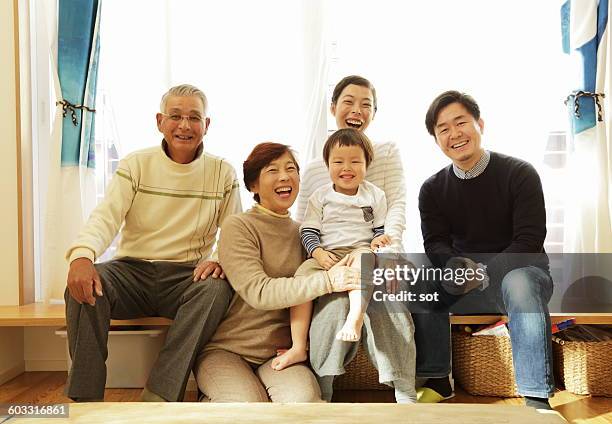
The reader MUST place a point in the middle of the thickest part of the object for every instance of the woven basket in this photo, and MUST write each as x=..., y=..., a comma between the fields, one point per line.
x=360, y=375
x=482, y=365
x=584, y=367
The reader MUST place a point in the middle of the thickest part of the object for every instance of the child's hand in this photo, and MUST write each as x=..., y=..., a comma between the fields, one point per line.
x=324, y=258
x=380, y=241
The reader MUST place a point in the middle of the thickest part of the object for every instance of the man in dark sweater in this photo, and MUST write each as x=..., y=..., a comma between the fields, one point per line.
x=492, y=204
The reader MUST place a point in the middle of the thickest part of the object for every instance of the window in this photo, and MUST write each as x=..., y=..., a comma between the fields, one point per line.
x=260, y=69
x=249, y=64
x=252, y=74
x=108, y=152
x=508, y=58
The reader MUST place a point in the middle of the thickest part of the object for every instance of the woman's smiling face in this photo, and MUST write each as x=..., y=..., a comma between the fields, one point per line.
x=354, y=107
x=278, y=184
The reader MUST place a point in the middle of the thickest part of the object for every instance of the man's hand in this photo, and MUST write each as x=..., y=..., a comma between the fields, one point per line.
x=206, y=268
x=467, y=277
x=343, y=277
x=380, y=241
x=324, y=258
x=83, y=280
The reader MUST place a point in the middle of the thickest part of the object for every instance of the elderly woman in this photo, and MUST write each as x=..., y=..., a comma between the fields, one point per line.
x=260, y=250
x=387, y=337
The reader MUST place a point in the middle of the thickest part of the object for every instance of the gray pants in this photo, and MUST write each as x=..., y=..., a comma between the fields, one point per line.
x=387, y=337
x=133, y=288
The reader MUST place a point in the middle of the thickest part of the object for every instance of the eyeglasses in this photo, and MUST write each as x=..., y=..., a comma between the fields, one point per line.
x=191, y=119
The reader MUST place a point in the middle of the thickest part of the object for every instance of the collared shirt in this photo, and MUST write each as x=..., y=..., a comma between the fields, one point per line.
x=476, y=170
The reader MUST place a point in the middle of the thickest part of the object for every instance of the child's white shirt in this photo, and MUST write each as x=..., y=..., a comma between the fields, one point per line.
x=344, y=220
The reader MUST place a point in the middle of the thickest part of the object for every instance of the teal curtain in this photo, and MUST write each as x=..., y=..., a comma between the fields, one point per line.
x=585, y=102
x=78, y=52
x=588, y=210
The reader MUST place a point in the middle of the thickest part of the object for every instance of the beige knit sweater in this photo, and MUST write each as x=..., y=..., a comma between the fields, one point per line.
x=165, y=210
x=259, y=252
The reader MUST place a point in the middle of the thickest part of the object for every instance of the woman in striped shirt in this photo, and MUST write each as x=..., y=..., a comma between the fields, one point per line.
x=354, y=106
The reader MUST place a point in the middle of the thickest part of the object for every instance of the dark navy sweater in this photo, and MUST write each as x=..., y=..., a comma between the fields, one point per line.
x=500, y=211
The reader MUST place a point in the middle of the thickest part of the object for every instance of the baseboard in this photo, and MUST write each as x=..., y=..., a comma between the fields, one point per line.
x=46, y=365
x=12, y=372
x=59, y=365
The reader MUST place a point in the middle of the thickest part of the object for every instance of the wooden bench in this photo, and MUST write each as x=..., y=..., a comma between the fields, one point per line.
x=42, y=315
x=360, y=375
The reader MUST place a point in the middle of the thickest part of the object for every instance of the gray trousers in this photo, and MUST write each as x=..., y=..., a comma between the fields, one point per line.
x=387, y=337
x=133, y=288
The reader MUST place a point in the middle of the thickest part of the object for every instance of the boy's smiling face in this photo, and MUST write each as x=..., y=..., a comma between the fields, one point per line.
x=347, y=168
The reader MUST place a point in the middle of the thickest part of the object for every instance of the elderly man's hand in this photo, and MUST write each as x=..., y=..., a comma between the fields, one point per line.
x=83, y=280
x=343, y=277
x=206, y=268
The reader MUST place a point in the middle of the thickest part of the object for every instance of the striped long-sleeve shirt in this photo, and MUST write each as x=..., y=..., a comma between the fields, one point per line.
x=336, y=220
x=385, y=171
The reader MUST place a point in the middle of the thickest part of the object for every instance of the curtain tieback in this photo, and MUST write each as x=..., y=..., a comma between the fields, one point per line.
x=578, y=94
x=66, y=105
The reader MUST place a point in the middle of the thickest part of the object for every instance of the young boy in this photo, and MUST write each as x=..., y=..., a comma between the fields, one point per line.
x=344, y=218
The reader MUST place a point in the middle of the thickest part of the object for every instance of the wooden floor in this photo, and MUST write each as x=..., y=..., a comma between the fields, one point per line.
x=47, y=388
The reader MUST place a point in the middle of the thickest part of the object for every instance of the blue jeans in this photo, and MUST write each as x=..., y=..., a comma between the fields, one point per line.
x=523, y=295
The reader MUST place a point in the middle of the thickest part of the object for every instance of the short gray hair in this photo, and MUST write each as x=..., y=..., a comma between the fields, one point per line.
x=184, y=90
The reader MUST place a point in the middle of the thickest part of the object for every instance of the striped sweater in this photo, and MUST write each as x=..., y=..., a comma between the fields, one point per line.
x=169, y=211
x=385, y=171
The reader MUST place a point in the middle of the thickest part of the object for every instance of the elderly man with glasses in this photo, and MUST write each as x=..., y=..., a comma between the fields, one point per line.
x=168, y=202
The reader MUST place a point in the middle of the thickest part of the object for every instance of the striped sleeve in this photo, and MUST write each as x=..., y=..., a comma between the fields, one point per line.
x=106, y=219
x=387, y=173
x=315, y=176
x=310, y=230
x=311, y=239
x=379, y=231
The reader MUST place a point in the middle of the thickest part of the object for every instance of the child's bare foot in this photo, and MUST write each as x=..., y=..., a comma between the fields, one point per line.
x=351, y=330
x=286, y=357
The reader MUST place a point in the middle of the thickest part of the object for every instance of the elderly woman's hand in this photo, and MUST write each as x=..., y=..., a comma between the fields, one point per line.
x=343, y=277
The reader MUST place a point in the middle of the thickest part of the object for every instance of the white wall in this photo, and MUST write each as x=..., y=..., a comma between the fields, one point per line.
x=9, y=189
x=11, y=339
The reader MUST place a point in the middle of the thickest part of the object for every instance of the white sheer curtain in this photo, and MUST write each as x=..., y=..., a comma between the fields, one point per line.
x=44, y=45
x=255, y=61
x=317, y=56
x=65, y=192
x=589, y=182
